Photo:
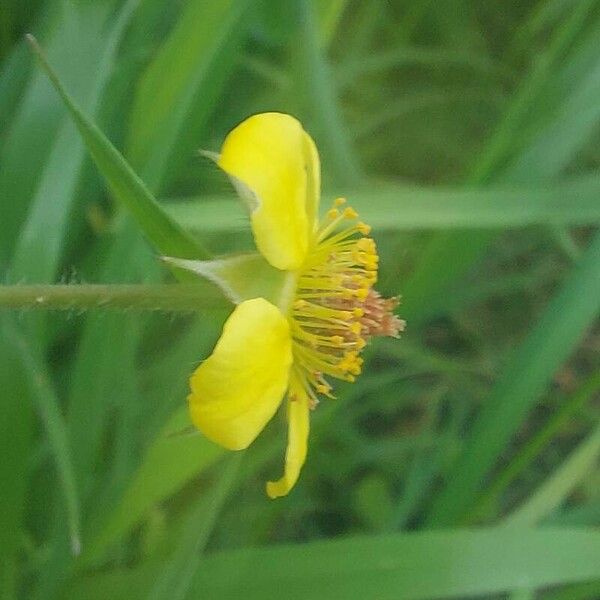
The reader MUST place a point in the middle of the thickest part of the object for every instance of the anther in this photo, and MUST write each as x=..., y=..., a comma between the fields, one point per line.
x=350, y=213
x=364, y=228
x=356, y=328
x=333, y=213
x=339, y=201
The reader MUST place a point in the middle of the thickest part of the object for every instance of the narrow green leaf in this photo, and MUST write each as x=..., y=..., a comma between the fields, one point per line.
x=450, y=255
x=37, y=254
x=317, y=84
x=399, y=208
x=531, y=368
x=534, y=446
x=46, y=402
x=415, y=566
x=559, y=485
x=17, y=422
x=180, y=87
x=32, y=130
x=582, y=591
x=170, y=462
x=178, y=573
x=123, y=182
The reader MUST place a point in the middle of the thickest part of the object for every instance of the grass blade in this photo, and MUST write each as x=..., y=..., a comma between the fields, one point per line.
x=535, y=445
x=178, y=574
x=416, y=566
x=559, y=485
x=125, y=185
x=532, y=365
x=170, y=462
x=401, y=208
x=180, y=87
x=36, y=255
x=449, y=256
x=47, y=405
x=320, y=94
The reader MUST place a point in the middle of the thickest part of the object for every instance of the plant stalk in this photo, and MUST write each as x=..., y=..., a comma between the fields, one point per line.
x=161, y=297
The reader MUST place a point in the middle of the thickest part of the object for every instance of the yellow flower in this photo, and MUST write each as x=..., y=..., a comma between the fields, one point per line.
x=326, y=310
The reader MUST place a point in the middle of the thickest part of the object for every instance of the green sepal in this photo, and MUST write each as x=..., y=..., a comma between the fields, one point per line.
x=240, y=277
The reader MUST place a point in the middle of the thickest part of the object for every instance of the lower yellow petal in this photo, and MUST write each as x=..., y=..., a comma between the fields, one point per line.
x=238, y=388
x=298, y=426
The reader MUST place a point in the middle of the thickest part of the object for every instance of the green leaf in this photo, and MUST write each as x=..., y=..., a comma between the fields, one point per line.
x=123, y=182
x=17, y=422
x=559, y=485
x=178, y=572
x=450, y=255
x=533, y=448
x=316, y=83
x=180, y=87
x=46, y=402
x=415, y=566
x=388, y=207
x=37, y=254
x=525, y=377
x=171, y=461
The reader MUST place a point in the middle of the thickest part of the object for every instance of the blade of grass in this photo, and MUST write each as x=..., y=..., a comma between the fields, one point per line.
x=449, y=256
x=32, y=130
x=178, y=573
x=507, y=131
x=525, y=377
x=535, y=445
x=125, y=185
x=415, y=566
x=180, y=87
x=16, y=438
x=559, y=485
x=169, y=463
x=434, y=58
x=37, y=254
x=522, y=595
x=400, y=208
x=14, y=73
x=47, y=405
x=188, y=111
x=582, y=591
x=319, y=90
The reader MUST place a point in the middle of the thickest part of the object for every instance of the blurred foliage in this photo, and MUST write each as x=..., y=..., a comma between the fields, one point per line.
x=468, y=134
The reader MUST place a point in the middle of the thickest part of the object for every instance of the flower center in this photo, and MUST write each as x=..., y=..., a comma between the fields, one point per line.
x=336, y=310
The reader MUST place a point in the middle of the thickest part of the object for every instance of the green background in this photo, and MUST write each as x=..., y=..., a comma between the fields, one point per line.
x=464, y=461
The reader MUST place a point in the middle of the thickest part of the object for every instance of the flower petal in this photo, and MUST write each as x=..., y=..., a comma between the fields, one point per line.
x=272, y=156
x=313, y=180
x=298, y=426
x=238, y=388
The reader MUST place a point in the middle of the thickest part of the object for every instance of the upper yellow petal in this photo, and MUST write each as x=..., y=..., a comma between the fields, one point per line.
x=298, y=427
x=238, y=388
x=313, y=180
x=272, y=155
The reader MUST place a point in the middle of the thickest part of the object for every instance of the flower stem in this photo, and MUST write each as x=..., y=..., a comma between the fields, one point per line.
x=166, y=297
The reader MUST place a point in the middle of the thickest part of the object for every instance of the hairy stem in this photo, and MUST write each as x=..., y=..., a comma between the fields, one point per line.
x=167, y=297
